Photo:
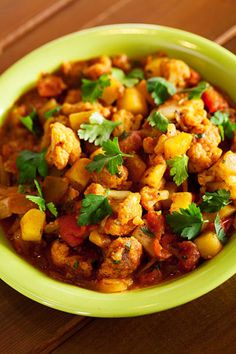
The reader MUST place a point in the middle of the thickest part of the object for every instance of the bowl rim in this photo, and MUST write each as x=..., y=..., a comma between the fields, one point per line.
x=72, y=299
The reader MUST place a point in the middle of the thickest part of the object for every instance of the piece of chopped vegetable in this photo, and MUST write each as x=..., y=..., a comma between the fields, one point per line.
x=160, y=89
x=70, y=231
x=52, y=111
x=214, y=201
x=187, y=222
x=158, y=121
x=226, y=128
x=220, y=232
x=92, y=90
x=32, y=224
x=178, y=169
x=208, y=244
x=97, y=130
x=30, y=163
x=197, y=91
x=129, y=80
x=94, y=209
x=111, y=159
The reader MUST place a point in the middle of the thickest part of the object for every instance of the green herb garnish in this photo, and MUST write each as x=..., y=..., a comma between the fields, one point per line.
x=178, y=169
x=226, y=128
x=29, y=164
x=214, y=201
x=52, y=111
x=94, y=209
x=93, y=90
x=158, y=121
x=160, y=89
x=129, y=80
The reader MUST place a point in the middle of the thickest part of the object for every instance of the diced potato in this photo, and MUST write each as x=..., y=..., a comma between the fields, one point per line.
x=180, y=200
x=133, y=101
x=153, y=175
x=153, y=67
x=76, y=119
x=98, y=239
x=172, y=188
x=136, y=167
x=159, y=148
x=145, y=240
x=99, y=151
x=113, y=92
x=32, y=224
x=54, y=188
x=113, y=285
x=78, y=173
x=177, y=145
x=227, y=211
x=142, y=87
x=208, y=244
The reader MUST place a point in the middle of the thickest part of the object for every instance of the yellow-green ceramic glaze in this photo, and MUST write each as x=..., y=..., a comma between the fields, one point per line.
x=216, y=65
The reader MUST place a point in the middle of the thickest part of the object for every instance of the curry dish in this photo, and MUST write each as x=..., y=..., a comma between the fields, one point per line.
x=117, y=174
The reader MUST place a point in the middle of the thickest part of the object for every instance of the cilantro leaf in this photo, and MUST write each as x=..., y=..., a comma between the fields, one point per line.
x=146, y=231
x=92, y=90
x=178, y=169
x=52, y=111
x=29, y=121
x=197, y=91
x=40, y=201
x=219, y=230
x=214, y=201
x=52, y=208
x=158, y=121
x=226, y=128
x=29, y=164
x=160, y=89
x=186, y=222
x=94, y=209
x=129, y=80
x=111, y=159
x=97, y=130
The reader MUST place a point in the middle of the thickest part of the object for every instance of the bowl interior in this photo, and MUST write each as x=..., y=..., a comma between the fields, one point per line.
x=216, y=65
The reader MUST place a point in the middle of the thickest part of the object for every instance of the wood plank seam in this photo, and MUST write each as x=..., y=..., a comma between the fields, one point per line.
x=33, y=22
x=226, y=36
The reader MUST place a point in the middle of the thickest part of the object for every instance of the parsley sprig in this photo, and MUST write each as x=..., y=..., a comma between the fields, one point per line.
x=40, y=201
x=226, y=128
x=29, y=164
x=129, y=80
x=178, y=169
x=93, y=90
x=186, y=222
x=147, y=232
x=97, y=130
x=94, y=209
x=160, y=89
x=197, y=91
x=111, y=159
x=52, y=111
x=214, y=201
x=159, y=121
x=30, y=120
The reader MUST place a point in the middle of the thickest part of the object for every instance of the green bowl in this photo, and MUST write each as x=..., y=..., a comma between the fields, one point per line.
x=217, y=65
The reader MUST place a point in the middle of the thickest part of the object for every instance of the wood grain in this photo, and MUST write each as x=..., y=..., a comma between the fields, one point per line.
x=84, y=13
x=26, y=324
x=206, y=325
x=231, y=45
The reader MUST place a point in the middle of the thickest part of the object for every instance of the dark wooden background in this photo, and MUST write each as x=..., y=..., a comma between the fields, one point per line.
x=206, y=325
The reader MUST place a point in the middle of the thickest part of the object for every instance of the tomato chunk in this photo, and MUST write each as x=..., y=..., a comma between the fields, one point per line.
x=132, y=143
x=70, y=231
x=213, y=100
x=156, y=223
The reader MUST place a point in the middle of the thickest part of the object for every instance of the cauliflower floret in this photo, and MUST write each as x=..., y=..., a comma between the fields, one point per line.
x=128, y=122
x=99, y=66
x=68, y=108
x=191, y=114
x=121, y=258
x=151, y=196
x=221, y=175
x=204, y=152
x=173, y=70
x=113, y=226
x=95, y=188
x=64, y=148
x=50, y=86
x=130, y=209
x=121, y=61
x=108, y=180
x=75, y=264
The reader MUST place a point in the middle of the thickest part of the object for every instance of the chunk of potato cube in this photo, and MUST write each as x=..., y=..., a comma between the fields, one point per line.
x=78, y=173
x=153, y=175
x=133, y=101
x=227, y=211
x=180, y=200
x=76, y=119
x=32, y=224
x=113, y=92
x=208, y=244
x=177, y=145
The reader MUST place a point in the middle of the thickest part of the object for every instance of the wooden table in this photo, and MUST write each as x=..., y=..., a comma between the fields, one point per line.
x=204, y=325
